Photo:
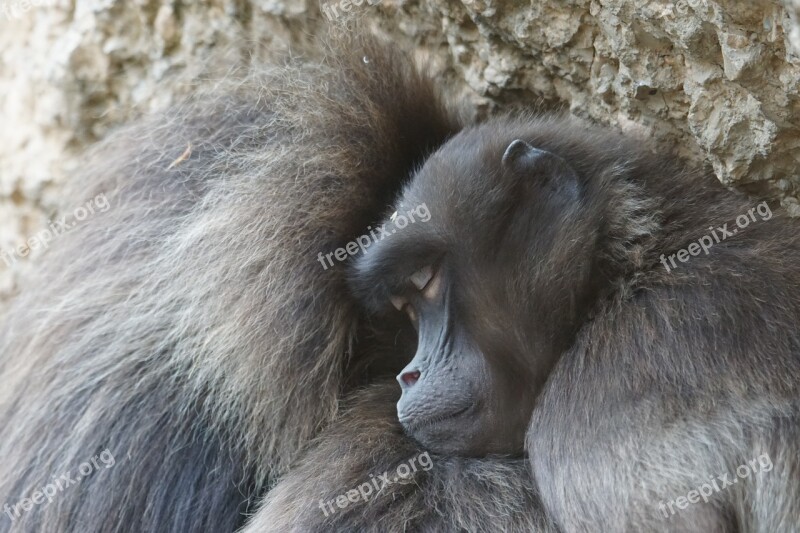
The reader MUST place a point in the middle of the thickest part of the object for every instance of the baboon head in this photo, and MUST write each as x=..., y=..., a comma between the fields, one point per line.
x=494, y=283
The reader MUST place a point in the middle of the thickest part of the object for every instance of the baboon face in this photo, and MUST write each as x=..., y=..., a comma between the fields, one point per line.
x=483, y=282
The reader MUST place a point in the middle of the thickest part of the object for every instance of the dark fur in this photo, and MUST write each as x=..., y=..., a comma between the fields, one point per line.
x=660, y=379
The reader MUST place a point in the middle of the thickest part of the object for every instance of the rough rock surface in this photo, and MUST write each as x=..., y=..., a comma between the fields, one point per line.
x=721, y=77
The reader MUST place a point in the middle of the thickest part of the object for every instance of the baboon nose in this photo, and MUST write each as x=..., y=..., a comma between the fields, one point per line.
x=408, y=379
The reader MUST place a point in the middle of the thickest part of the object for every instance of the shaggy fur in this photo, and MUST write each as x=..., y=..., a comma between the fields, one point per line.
x=190, y=329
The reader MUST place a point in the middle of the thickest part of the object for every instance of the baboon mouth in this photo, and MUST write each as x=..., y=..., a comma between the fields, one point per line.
x=415, y=423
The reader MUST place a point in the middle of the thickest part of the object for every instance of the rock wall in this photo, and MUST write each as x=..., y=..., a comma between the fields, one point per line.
x=721, y=77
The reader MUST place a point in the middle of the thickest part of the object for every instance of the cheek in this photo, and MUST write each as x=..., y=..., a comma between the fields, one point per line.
x=501, y=390
x=473, y=371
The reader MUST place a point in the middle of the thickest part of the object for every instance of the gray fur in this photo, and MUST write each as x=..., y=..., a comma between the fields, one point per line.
x=190, y=329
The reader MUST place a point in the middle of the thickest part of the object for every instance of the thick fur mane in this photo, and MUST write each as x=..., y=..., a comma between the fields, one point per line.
x=190, y=329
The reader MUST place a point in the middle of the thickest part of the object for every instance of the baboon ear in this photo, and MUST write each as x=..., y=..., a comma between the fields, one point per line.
x=520, y=154
x=526, y=160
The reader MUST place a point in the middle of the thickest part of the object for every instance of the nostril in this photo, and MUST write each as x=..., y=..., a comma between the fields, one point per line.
x=409, y=378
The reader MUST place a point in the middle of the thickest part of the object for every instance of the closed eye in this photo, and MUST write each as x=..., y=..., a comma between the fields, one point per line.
x=422, y=277
x=425, y=281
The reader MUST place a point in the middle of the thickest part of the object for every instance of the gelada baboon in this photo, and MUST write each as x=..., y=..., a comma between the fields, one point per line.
x=191, y=334
x=548, y=302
